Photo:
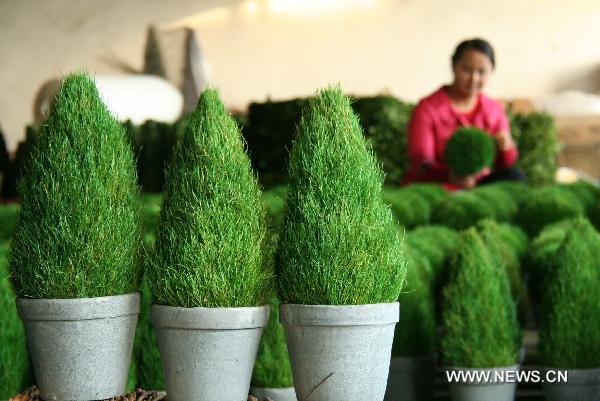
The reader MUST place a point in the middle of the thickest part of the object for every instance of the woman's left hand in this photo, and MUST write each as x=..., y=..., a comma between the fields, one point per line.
x=504, y=141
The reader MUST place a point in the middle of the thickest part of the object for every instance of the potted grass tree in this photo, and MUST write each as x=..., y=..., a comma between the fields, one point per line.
x=211, y=274
x=569, y=328
x=74, y=254
x=340, y=263
x=272, y=375
x=412, y=367
x=480, y=330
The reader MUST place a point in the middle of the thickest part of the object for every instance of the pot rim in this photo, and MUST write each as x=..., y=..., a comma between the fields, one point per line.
x=201, y=318
x=54, y=309
x=340, y=315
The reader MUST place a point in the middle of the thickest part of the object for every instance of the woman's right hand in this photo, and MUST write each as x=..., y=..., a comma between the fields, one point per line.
x=467, y=182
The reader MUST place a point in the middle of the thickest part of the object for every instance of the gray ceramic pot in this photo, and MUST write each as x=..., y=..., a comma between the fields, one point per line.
x=411, y=378
x=581, y=385
x=80, y=348
x=208, y=354
x=479, y=390
x=276, y=394
x=340, y=353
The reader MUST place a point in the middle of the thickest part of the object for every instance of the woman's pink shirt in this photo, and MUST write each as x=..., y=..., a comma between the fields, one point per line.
x=432, y=124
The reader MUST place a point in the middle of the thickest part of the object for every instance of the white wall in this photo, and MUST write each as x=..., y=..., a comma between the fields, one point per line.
x=274, y=48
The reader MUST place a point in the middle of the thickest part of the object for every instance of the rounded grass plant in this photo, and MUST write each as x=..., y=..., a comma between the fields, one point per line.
x=469, y=150
x=479, y=317
x=77, y=233
x=504, y=206
x=570, y=328
x=415, y=334
x=272, y=368
x=461, y=210
x=339, y=243
x=409, y=208
x=212, y=245
x=547, y=205
x=435, y=243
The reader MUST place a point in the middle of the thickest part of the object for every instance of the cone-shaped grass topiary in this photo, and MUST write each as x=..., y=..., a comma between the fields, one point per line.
x=415, y=334
x=538, y=260
x=15, y=369
x=547, y=205
x=77, y=233
x=506, y=258
x=339, y=243
x=469, y=150
x=461, y=210
x=212, y=247
x=570, y=329
x=272, y=368
x=479, y=317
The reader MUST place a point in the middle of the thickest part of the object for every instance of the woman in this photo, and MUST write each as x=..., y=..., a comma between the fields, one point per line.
x=437, y=116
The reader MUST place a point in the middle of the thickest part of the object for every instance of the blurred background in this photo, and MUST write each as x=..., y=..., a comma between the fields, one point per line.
x=279, y=49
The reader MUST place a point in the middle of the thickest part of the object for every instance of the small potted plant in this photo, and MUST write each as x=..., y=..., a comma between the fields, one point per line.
x=210, y=274
x=480, y=331
x=413, y=363
x=272, y=375
x=74, y=254
x=340, y=263
x=569, y=328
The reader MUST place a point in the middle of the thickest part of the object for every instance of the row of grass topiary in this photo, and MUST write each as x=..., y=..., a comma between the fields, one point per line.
x=76, y=254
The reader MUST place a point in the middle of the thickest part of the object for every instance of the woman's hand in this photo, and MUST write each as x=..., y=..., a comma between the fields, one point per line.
x=467, y=182
x=504, y=141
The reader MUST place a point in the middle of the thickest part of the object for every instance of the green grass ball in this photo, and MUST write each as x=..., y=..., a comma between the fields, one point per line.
x=469, y=150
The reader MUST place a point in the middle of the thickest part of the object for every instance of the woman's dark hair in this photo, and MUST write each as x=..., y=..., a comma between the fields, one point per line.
x=477, y=44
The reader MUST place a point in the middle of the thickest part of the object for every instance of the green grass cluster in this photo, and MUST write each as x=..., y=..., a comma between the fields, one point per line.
x=15, y=370
x=479, y=321
x=272, y=368
x=339, y=244
x=415, y=333
x=499, y=241
x=516, y=190
x=587, y=193
x=547, y=205
x=77, y=232
x=8, y=220
x=145, y=350
x=274, y=199
x=570, y=328
x=435, y=243
x=504, y=206
x=409, y=208
x=469, y=151
x=535, y=136
x=212, y=248
x=461, y=210
x=538, y=260
x=412, y=205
